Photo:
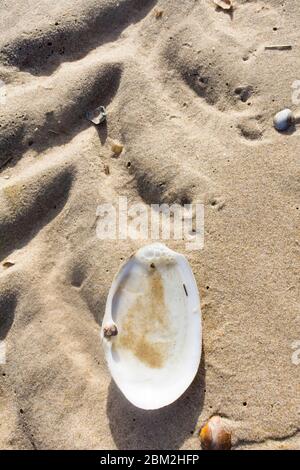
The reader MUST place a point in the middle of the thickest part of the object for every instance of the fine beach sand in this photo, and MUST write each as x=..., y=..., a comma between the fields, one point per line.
x=191, y=95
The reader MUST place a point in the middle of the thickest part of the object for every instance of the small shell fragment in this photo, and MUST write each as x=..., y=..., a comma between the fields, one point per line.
x=214, y=435
x=158, y=13
x=284, y=119
x=117, y=149
x=224, y=4
x=106, y=169
x=8, y=264
x=279, y=47
x=97, y=116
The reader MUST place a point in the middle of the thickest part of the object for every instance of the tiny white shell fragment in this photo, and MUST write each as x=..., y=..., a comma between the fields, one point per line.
x=284, y=119
x=154, y=304
x=97, y=116
x=224, y=4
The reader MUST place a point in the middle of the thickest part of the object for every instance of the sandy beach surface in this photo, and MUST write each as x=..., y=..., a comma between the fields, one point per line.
x=190, y=92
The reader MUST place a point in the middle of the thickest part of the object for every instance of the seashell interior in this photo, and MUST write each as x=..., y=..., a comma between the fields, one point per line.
x=153, y=310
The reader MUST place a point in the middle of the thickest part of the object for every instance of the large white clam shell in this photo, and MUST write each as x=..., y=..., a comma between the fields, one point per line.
x=154, y=319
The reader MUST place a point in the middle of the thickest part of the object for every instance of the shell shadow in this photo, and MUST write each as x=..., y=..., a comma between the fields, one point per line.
x=102, y=132
x=290, y=131
x=228, y=12
x=164, y=429
x=8, y=302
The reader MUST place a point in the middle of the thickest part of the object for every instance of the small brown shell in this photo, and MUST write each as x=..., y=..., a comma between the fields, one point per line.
x=214, y=435
x=117, y=148
x=8, y=264
x=110, y=330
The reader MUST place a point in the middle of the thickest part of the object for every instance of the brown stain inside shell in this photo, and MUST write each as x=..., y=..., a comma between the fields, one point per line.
x=148, y=317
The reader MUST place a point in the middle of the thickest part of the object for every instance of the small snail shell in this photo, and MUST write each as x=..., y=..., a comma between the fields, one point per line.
x=110, y=330
x=284, y=119
x=214, y=435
